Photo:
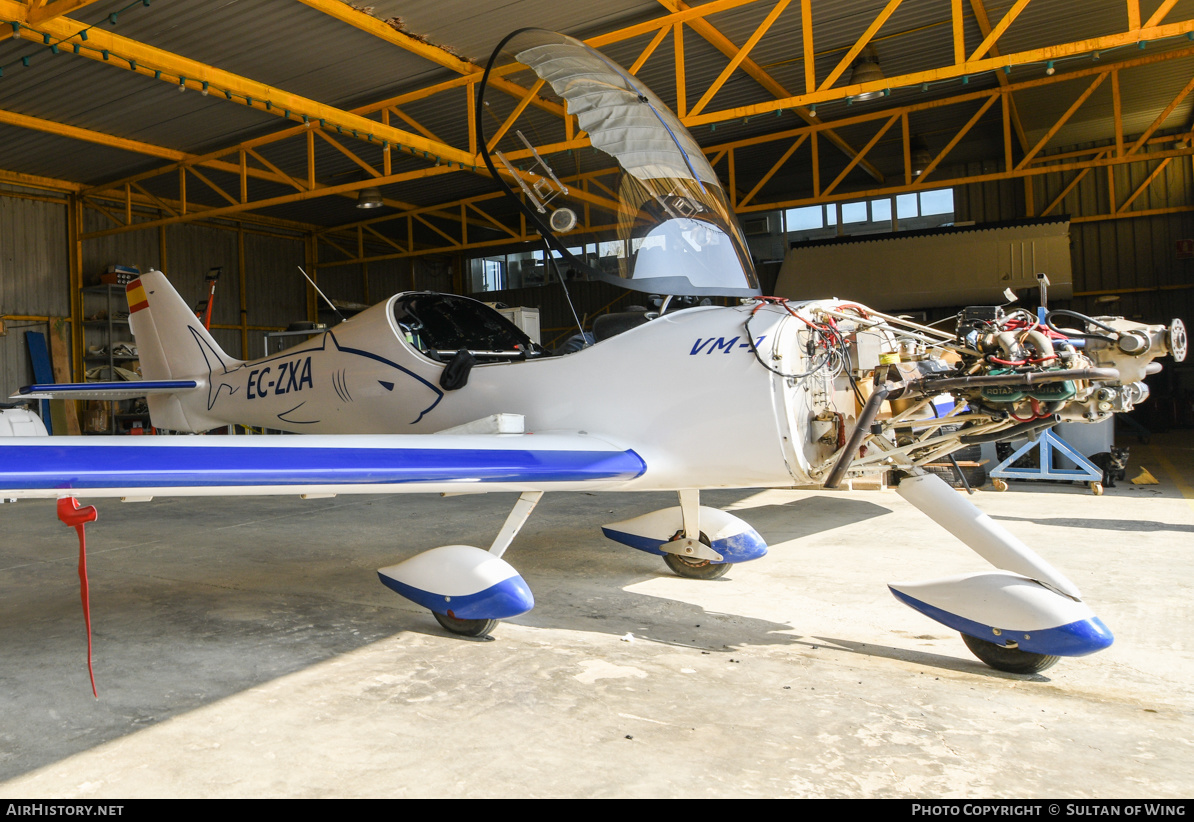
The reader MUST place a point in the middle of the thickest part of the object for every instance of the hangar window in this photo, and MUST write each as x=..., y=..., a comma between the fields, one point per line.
x=876, y=215
x=521, y=269
x=854, y=212
x=805, y=219
x=937, y=202
x=900, y=212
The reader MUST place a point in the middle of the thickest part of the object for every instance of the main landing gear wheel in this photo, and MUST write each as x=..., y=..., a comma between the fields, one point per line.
x=695, y=568
x=1012, y=660
x=465, y=627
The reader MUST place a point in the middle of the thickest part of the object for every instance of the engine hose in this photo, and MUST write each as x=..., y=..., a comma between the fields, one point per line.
x=1069, y=332
x=1043, y=345
x=1025, y=430
x=861, y=427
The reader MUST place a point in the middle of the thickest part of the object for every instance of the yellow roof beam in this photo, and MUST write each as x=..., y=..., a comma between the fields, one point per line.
x=436, y=54
x=33, y=181
x=723, y=44
x=182, y=158
x=984, y=25
x=952, y=72
x=379, y=28
x=163, y=65
x=62, y=130
x=994, y=34
x=178, y=70
x=740, y=56
x=1160, y=13
x=859, y=44
x=41, y=10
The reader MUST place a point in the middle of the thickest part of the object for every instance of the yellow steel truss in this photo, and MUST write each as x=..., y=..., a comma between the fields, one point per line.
x=232, y=175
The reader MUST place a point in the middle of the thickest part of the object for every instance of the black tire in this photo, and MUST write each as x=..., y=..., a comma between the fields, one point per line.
x=1012, y=660
x=976, y=476
x=696, y=568
x=465, y=627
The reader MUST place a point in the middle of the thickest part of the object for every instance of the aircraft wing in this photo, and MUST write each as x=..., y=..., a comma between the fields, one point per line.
x=314, y=465
x=117, y=390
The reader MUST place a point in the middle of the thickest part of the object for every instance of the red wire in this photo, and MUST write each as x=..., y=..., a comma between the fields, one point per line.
x=857, y=308
x=1012, y=325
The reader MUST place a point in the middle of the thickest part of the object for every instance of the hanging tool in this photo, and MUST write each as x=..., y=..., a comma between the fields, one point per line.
x=203, y=309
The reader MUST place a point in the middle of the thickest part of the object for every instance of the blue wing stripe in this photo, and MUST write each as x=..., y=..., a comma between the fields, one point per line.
x=53, y=467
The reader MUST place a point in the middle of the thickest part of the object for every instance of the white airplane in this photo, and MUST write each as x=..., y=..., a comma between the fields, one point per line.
x=438, y=393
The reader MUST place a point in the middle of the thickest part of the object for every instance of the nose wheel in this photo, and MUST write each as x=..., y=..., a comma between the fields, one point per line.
x=465, y=627
x=696, y=569
x=1010, y=659
x=692, y=567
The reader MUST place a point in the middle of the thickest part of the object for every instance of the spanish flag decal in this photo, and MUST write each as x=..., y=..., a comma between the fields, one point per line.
x=136, y=296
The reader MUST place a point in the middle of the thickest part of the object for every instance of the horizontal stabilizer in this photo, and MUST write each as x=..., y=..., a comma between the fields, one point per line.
x=118, y=390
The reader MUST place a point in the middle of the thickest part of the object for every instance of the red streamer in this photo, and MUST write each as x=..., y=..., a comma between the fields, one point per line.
x=75, y=517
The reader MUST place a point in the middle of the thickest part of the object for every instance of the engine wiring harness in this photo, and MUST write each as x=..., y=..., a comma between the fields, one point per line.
x=1000, y=375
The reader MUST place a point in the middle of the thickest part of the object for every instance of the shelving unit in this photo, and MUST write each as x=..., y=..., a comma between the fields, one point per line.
x=107, y=332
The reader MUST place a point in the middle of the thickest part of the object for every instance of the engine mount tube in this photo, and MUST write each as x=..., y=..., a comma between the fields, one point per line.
x=869, y=412
x=1026, y=429
x=930, y=385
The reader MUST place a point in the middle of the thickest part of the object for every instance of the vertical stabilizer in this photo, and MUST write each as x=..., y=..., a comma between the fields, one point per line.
x=172, y=344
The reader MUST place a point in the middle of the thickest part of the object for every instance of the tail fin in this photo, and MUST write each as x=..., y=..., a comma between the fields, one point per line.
x=172, y=344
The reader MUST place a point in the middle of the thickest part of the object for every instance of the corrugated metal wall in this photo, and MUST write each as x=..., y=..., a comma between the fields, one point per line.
x=275, y=292
x=34, y=278
x=1137, y=259
x=34, y=275
x=369, y=283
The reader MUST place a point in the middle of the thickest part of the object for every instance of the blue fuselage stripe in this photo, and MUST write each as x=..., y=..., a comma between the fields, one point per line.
x=94, y=467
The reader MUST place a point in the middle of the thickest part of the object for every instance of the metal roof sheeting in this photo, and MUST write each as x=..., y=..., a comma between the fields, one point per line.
x=301, y=50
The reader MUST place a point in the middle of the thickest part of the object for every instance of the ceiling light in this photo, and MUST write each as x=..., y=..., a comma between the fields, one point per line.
x=369, y=198
x=921, y=157
x=866, y=70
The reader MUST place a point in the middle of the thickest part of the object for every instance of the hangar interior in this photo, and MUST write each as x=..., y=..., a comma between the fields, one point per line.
x=255, y=137
x=153, y=136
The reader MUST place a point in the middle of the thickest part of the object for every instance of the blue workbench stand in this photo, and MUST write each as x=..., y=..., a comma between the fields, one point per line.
x=1047, y=443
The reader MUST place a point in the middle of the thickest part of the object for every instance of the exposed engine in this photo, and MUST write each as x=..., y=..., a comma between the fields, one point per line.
x=919, y=393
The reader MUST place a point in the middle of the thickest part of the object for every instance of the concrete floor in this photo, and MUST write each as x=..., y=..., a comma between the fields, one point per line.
x=245, y=648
